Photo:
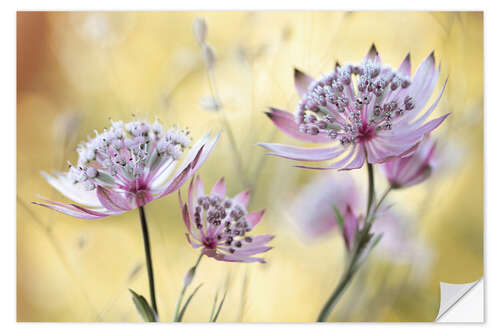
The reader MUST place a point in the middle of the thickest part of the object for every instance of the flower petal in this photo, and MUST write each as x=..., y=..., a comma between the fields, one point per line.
x=373, y=54
x=242, y=198
x=303, y=154
x=302, y=82
x=408, y=171
x=73, y=192
x=423, y=83
x=383, y=148
x=197, y=163
x=111, y=200
x=177, y=182
x=422, y=97
x=161, y=175
x=194, y=152
x=194, y=192
x=219, y=189
x=252, y=250
x=70, y=212
x=357, y=161
x=405, y=67
x=260, y=240
x=422, y=175
x=236, y=258
x=194, y=244
x=428, y=127
x=185, y=213
x=181, y=177
x=254, y=218
x=335, y=165
x=74, y=210
x=285, y=121
x=427, y=113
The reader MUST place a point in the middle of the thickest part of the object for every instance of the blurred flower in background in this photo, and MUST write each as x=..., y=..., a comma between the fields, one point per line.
x=411, y=170
x=313, y=210
x=149, y=63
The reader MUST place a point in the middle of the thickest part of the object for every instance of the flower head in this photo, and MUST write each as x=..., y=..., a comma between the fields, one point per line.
x=312, y=207
x=127, y=166
x=314, y=212
x=411, y=170
x=370, y=111
x=220, y=225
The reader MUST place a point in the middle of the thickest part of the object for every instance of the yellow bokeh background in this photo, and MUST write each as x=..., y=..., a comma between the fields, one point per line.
x=75, y=70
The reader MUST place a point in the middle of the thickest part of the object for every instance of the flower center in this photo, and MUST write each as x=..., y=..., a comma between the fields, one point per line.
x=366, y=133
x=209, y=243
x=225, y=221
x=128, y=156
x=352, y=112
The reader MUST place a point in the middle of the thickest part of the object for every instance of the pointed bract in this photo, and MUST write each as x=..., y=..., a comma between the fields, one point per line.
x=302, y=81
x=412, y=170
x=350, y=227
x=405, y=67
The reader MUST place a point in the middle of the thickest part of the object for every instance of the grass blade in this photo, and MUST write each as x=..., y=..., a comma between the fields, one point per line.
x=145, y=311
x=213, y=306
x=181, y=314
x=214, y=319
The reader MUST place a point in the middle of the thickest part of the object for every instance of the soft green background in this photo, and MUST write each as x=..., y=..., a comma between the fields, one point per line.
x=75, y=70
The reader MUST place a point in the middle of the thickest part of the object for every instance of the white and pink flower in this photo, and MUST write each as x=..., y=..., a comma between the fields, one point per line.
x=125, y=167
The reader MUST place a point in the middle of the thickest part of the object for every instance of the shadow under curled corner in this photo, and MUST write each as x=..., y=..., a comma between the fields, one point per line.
x=463, y=302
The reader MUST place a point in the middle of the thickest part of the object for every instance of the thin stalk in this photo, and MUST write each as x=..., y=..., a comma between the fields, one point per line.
x=225, y=122
x=345, y=280
x=259, y=166
x=352, y=265
x=149, y=262
x=377, y=206
x=371, y=188
x=191, y=271
x=244, y=290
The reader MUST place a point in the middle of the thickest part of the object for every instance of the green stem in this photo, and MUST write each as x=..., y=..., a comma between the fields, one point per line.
x=149, y=262
x=363, y=240
x=371, y=188
x=337, y=293
x=384, y=195
x=184, y=287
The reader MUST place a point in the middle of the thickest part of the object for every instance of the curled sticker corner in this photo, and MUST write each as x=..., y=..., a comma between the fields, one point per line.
x=451, y=294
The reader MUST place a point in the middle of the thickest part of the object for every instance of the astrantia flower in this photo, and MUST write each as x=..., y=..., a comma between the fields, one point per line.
x=127, y=166
x=369, y=111
x=412, y=170
x=315, y=213
x=312, y=207
x=220, y=225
